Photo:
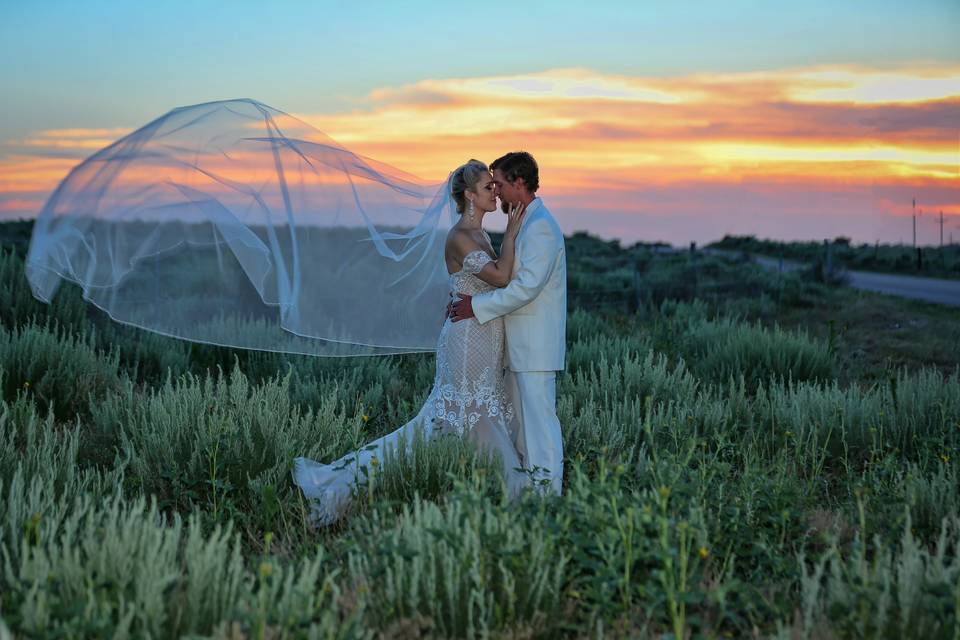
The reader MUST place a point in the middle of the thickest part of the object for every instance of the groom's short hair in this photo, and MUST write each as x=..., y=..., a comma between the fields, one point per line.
x=519, y=164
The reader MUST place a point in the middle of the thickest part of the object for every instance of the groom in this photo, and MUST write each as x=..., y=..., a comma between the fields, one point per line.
x=534, y=307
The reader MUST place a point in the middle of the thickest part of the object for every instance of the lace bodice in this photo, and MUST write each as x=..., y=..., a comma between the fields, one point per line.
x=468, y=399
x=465, y=280
x=469, y=386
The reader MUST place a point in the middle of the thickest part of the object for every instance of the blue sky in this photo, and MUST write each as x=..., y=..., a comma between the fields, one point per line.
x=784, y=119
x=121, y=63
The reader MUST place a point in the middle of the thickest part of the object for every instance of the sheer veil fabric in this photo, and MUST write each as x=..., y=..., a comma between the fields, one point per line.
x=232, y=223
x=235, y=224
x=468, y=400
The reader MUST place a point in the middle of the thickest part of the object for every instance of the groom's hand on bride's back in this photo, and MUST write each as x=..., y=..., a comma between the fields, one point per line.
x=462, y=309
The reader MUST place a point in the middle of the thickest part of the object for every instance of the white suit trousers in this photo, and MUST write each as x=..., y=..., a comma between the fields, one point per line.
x=535, y=427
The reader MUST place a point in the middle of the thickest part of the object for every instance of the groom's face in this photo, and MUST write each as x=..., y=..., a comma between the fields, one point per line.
x=509, y=193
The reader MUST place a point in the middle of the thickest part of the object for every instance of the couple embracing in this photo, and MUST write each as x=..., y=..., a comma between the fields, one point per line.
x=500, y=346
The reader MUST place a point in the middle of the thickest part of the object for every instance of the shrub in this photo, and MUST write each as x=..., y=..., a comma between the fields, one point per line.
x=61, y=370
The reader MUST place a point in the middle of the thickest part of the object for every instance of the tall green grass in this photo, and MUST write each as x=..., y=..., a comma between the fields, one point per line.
x=720, y=481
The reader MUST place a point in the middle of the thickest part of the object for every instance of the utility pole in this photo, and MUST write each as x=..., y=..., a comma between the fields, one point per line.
x=919, y=250
x=941, y=229
x=914, y=222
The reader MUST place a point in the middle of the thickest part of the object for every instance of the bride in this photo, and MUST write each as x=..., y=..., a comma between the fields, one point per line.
x=232, y=223
x=468, y=398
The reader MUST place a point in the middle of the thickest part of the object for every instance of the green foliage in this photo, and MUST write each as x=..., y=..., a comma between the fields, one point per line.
x=721, y=348
x=721, y=480
x=939, y=262
x=215, y=442
x=471, y=567
x=905, y=591
x=120, y=569
x=63, y=371
x=17, y=304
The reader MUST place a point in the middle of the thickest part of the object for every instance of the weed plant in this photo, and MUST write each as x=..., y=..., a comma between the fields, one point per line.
x=720, y=481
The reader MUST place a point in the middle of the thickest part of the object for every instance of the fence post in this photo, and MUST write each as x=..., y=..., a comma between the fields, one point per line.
x=637, y=298
x=828, y=250
x=696, y=271
x=634, y=304
x=156, y=288
x=780, y=277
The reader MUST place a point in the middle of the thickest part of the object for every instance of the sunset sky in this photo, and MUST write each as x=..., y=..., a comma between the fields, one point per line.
x=649, y=123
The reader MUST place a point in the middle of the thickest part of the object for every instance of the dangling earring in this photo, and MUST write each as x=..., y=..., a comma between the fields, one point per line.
x=470, y=211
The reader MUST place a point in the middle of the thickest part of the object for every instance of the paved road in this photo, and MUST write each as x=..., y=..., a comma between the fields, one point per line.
x=928, y=289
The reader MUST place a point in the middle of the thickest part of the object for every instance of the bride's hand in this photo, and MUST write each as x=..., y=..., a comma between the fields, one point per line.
x=514, y=219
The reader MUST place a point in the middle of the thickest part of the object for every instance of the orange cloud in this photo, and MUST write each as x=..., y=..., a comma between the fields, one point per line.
x=831, y=128
x=84, y=139
x=749, y=122
x=19, y=205
x=32, y=174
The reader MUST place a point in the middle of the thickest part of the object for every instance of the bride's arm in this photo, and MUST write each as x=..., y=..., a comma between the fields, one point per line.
x=496, y=272
x=504, y=262
x=499, y=272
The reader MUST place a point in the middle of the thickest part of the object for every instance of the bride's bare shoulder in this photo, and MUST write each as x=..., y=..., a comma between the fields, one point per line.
x=460, y=242
x=454, y=232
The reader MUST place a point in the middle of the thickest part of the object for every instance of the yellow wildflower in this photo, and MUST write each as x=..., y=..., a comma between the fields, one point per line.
x=704, y=552
x=266, y=569
x=365, y=418
x=374, y=462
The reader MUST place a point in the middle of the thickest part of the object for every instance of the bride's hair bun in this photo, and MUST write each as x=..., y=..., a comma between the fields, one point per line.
x=465, y=177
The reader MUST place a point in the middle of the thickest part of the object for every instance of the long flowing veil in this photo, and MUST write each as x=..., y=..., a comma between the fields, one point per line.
x=236, y=224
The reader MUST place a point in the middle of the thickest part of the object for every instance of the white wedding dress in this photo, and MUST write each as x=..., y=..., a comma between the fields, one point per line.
x=468, y=399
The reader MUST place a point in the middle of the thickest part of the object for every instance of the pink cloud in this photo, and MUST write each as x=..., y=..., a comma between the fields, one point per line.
x=795, y=151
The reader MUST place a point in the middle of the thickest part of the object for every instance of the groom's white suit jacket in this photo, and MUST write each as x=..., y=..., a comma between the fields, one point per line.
x=534, y=304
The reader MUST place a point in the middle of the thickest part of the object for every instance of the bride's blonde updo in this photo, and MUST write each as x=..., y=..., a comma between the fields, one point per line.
x=465, y=177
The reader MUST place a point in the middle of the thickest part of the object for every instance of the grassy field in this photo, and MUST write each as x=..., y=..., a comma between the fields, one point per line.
x=933, y=261
x=746, y=457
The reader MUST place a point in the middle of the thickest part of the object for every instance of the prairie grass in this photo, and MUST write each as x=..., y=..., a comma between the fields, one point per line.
x=722, y=479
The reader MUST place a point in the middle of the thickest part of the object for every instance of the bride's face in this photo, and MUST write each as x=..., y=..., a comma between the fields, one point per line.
x=486, y=194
